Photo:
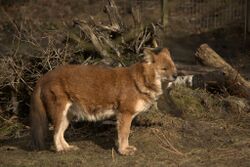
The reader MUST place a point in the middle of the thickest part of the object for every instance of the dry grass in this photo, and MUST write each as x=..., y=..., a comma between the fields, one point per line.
x=38, y=45
x=208, y=129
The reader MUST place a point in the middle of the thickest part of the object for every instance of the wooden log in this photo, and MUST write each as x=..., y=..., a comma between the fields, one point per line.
x=186, y=69
x=235, y=83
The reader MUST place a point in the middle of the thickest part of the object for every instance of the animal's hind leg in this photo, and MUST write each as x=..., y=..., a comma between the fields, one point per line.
x=57, y=105
x=61, y=124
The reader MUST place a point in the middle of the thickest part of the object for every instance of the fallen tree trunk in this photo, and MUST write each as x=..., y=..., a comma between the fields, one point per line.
x=186, y=69
x=235, y=83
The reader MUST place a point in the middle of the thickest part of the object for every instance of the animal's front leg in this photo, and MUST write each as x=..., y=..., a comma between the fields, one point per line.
x=123, y=126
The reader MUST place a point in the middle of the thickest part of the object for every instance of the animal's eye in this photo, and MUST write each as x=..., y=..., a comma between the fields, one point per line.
x=165, y=69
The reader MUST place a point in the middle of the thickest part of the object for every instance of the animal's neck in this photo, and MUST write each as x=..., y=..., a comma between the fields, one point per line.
x=147, y=81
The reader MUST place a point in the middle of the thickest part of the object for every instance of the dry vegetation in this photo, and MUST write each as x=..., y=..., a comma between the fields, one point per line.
x=190, y=127
x=37, y=46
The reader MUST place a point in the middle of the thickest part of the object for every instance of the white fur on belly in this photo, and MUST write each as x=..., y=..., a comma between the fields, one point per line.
x=101, y=115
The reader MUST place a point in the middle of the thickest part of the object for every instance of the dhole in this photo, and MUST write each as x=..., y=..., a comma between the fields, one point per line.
x=94, y=93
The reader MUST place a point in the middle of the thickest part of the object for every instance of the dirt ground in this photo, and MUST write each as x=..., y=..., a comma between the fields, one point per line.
x=208, y=131
x=193, y=128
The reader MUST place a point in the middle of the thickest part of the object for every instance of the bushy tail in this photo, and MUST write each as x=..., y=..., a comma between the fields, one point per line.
x=39, y=121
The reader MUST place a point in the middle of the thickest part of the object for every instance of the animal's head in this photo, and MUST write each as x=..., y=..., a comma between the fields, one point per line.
x=161, y=62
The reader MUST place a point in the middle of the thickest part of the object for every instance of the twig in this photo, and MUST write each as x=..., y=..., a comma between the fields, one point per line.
x=114, y=16
x=136, y=15
x=113, y=154
x=2, y=118
x=166, y=142
x=171, y=146
x=98, y=45
x=12, y=66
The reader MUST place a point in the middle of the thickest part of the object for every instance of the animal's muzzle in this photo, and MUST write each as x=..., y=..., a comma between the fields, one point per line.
x=175, y=76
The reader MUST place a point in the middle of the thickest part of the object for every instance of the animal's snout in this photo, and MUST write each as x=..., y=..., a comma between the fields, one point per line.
x=175, y=75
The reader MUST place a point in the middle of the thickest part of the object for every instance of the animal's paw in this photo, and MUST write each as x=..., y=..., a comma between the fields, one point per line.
x=129, y=150
x=72, y=147
x=132, y=148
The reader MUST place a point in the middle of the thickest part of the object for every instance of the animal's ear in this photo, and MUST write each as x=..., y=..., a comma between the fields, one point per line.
x=166, y=51
x=148, y=56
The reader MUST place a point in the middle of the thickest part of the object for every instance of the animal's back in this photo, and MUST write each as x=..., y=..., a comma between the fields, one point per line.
x=84, y=80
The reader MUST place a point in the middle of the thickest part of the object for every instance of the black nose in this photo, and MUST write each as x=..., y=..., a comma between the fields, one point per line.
x=175, y=76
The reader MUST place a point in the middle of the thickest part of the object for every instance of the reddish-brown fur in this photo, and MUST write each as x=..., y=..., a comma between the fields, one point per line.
x=94, y=92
